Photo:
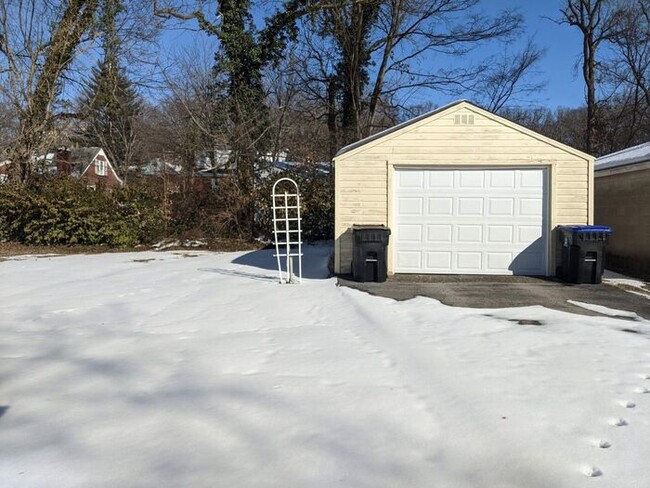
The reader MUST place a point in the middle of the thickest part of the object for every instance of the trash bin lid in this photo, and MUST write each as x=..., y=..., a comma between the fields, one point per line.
x=587, y=228
x=356, y=227
x=369, y=227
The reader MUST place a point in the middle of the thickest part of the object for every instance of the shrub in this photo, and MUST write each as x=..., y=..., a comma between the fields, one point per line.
x=317, y=204
x=61, y=211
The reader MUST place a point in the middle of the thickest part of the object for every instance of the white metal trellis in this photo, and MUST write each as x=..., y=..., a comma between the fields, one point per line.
x=287, y=231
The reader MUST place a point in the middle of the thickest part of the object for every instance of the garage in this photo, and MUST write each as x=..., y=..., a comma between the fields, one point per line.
x=463, y=191
x=471, y=221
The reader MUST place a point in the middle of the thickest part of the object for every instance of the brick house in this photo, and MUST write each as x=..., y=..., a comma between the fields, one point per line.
x=88, y=164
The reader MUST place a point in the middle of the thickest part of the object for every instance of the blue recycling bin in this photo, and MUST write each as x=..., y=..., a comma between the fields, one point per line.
x=583, y=252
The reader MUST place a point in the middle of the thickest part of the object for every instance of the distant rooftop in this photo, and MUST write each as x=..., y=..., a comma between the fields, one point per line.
x=83, y=155
x=631, y=155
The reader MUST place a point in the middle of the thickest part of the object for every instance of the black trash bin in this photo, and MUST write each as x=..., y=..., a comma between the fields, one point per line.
x=583, y=252
x=369, y=255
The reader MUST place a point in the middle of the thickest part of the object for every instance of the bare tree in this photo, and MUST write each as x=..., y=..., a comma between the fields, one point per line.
x=363, y=56
x=595, y=20
x=627, y=70
x=507, y=79
x=39, y=40
x=192, y=115
x=409, y=29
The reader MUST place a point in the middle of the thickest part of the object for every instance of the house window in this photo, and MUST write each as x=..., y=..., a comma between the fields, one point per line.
x=100, y=167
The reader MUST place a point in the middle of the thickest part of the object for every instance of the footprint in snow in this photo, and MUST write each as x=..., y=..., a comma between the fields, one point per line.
x=644, y=376
x=388, y=362
x=627, y=404
x=591, y=471
x=617, y=422
x=641, y=389
x=602, y=444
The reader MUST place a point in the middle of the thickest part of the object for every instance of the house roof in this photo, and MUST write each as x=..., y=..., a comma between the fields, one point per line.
x=631, y=155
x=83, y=155
x=476, y=108
x=158, y=167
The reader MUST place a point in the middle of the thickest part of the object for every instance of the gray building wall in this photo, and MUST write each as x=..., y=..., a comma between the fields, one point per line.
x=622, y=201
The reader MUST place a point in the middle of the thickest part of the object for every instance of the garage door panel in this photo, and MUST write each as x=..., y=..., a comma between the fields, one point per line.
x=409, y=206
x=497, y=261
x=411, y=179
x=529, y=234
x=532, y=207
x=409, y=260
x=439, y=260
x=470, y=207
x=471, y=221
x=439, y=233
x=501, y=206
x=468, y=261
x=442, y=179
x=531, y=179
x=441, y=206
x=471, y=179
x=469, y=234
x=501, y=179
x=410, y=233
x=499, y=234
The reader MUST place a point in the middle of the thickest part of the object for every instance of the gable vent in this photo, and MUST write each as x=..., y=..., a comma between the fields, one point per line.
x=464, y=119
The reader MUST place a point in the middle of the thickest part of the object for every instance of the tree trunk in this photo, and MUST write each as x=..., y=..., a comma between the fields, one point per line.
x=37, y=119
x=331, y=117
x=589, y=74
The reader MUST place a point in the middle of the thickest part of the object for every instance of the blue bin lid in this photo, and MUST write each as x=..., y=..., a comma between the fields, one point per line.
x=588, y=228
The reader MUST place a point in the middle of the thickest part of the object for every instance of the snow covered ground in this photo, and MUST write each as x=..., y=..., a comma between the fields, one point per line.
x=196, y=369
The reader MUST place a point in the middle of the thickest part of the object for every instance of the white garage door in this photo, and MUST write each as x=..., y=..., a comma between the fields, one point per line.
x=471, y=221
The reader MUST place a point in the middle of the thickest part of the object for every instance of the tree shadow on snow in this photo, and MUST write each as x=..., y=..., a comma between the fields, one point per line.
x=314, y=262
x=242, y=274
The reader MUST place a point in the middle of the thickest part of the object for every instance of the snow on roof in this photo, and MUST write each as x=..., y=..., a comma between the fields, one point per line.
x=158, y=167
x=277, y=167
x=83, y=155
x=631, y=155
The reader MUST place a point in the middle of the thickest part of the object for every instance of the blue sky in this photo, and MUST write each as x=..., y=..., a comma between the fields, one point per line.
x=564, y=88
x=564, y=84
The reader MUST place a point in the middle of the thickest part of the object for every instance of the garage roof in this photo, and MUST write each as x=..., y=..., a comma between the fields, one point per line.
x=395, y=128
x=631, y=155
x=477, y=109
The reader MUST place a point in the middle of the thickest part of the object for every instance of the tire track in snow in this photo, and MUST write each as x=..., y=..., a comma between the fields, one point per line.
x=418, y=368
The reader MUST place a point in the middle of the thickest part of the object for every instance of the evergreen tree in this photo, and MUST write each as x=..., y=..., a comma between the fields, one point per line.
x=238, y=86
x=110, y=104
x=238, y=74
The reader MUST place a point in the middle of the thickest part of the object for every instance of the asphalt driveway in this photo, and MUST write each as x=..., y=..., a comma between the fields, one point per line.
x=481, y=291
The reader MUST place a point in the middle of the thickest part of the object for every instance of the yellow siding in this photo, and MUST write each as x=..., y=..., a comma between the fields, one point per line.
x=364, y=174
